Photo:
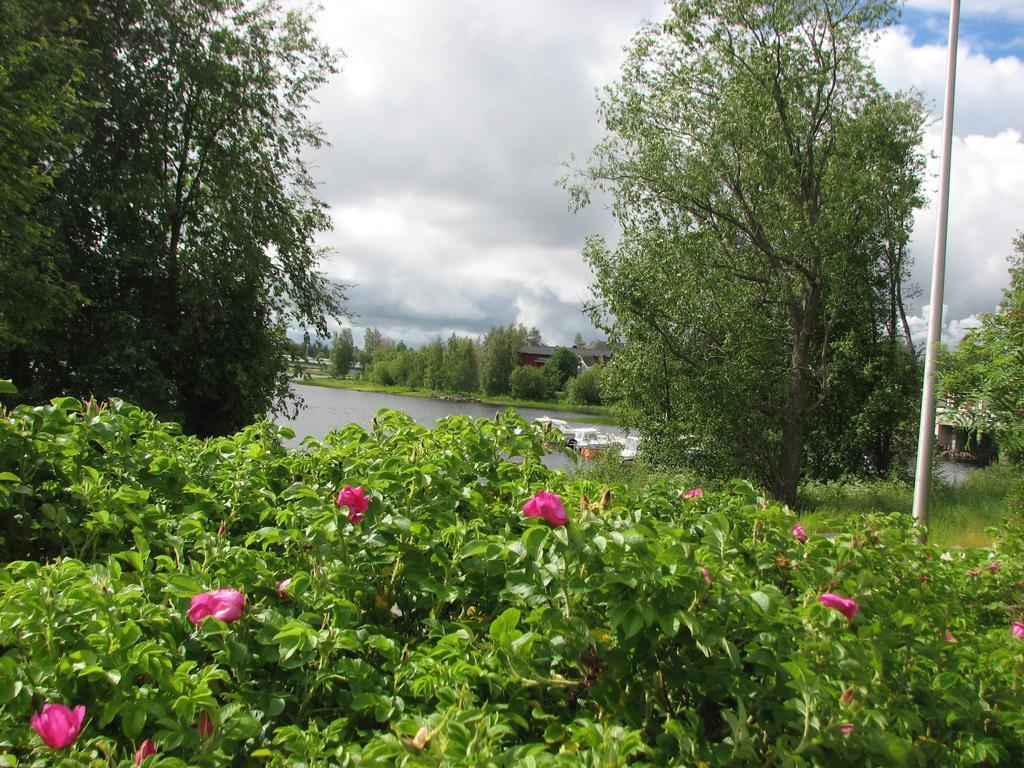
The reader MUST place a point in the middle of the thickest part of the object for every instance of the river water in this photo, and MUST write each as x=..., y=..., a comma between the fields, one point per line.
x=326, y=409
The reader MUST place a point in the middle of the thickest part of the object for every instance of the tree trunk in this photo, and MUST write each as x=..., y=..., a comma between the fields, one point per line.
x=794, y=428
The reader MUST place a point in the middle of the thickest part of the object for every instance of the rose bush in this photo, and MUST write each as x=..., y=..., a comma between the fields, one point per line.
x=450, y=628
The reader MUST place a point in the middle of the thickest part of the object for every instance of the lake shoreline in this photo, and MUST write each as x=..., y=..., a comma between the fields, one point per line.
x=595, y=414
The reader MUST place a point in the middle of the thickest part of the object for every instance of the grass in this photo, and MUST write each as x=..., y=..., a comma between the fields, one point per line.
x=959, y=515
x=596, y=414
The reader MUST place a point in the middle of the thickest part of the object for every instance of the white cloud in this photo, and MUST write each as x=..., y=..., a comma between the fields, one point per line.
x=986, y=199
x=449, y=123
x=952, y=332
x=986, y=209
x=989, y=93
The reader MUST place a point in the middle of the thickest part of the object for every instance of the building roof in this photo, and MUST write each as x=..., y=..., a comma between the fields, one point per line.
x=537, y=350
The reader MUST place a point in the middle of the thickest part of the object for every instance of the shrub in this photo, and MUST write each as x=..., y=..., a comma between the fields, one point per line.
x=585, y=389
x=528, y=383
x=442, y=626
x=559, y=368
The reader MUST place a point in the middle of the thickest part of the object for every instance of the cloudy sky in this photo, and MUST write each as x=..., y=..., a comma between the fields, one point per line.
x=452, y=119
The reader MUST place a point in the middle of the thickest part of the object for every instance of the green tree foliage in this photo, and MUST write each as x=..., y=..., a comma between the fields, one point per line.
x=984, y=378
x=376, y=347
x=499, y=356
x=528, y=383
x=432, y=357
x=343, y=353
x=40, y=123
x=185, y=216
x=460, y=363
x=764, y=183
x=585, y=389
x=399, y=367
x=559, y=368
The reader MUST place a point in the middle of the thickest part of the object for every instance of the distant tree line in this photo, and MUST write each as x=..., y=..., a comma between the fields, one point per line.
x=465, y=365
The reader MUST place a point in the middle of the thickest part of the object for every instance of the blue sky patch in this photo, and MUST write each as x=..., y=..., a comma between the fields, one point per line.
x=990, y=34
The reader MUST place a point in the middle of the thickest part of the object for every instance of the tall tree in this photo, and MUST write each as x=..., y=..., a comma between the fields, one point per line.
x=186, y=215
x=40, y=125
x=750, y=200
x=432, y=354
x=498, y=358
x=343, y=353
x=462, y=369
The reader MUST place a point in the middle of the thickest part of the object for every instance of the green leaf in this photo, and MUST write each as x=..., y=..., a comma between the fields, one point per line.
x=503, y=629
x=133, y=720
x=762, y=600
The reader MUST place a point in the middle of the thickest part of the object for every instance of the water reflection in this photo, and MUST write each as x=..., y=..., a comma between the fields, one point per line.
x=327, y=409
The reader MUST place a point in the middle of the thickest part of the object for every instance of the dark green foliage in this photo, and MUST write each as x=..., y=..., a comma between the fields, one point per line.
x=461, y=368
x=872, y=414
x=184, y=218
x=510, y=642
x=585, y=389
x=41, y=62
x=401, y=367
x=499, y=356
x=343, y=353
x=432, y=365
x=559, y=368
x=528, y=383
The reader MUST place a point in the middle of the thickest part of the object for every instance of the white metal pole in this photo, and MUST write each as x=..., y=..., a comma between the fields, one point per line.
x=926, y=436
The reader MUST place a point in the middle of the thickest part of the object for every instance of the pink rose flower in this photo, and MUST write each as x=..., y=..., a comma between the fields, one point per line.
x=693, y=493
x=57, y=725
x=547, y=505
x=1018, y=629
x=205, y=726
x=282, y=588
x=146, y=749
x=994, y=566
x=356, y=500
x=223, y=604
x=949, y=637
x=846, y=730
x=800, y=533
x=846, y=606
x=705, y=575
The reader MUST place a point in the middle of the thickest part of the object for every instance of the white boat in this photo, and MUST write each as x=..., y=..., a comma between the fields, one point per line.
x=589, y=441
x=630, y=444
x=549, y=423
